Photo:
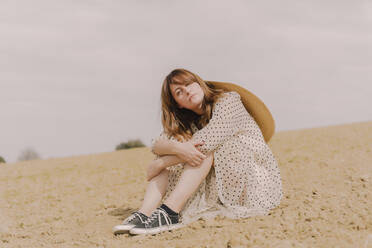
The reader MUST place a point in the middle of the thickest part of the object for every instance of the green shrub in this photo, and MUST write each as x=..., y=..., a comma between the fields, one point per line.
x=2, y=160
x=130, y=144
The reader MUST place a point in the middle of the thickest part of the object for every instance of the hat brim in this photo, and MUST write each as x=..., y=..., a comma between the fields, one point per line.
x=255, y=107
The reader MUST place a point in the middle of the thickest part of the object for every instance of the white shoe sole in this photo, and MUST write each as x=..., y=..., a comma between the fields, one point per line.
x=121, y=229
x=154, y=230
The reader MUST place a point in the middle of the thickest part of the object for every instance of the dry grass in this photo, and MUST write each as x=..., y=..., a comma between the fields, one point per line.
x=75, y=201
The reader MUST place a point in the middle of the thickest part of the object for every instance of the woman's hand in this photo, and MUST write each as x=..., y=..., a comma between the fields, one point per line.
x=190, y=154
x=154, y=169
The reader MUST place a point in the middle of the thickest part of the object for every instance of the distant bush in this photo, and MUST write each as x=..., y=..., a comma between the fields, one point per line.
x=130, y=144
x=28, y=154
x=2, y=160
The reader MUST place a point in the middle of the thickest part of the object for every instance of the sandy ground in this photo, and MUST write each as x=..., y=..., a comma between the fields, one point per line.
x=75, y=201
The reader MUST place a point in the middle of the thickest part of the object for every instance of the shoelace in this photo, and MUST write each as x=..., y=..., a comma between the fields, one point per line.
x=134, y=215
x=157, y=215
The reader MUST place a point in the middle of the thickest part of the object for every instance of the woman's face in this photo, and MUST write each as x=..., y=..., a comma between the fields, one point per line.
x=189, y=96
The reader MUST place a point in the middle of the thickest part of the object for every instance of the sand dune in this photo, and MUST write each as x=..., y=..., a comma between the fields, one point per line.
x=75, y=201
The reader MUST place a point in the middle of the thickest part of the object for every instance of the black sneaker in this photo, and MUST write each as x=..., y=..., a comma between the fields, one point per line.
x=132, y=220
x=159, y=221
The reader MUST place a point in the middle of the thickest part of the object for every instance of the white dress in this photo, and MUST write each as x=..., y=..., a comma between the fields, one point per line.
x=245, y=180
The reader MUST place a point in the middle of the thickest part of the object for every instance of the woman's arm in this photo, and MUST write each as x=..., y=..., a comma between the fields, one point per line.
x=162, y=146
x=169, y=160
x=186, y=151
x=160, y=163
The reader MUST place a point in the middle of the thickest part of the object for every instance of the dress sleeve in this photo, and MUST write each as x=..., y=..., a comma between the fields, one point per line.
x=227, y=119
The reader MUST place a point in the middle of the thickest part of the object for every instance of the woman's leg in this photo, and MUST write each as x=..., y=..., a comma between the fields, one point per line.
x=155, y=191
x=188, y=183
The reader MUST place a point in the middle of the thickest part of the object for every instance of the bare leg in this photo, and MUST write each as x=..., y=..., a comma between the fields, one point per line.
x=189, y=181
x=155, y=191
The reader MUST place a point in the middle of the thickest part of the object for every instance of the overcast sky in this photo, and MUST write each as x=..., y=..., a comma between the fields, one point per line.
x=79, y=77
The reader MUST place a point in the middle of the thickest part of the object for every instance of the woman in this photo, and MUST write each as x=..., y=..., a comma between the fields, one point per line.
x=211, y=159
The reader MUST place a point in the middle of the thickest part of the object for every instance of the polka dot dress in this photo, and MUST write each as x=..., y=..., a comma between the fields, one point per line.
x=245, y=180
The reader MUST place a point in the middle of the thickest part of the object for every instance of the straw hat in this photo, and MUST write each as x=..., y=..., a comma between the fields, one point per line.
x=255, y=107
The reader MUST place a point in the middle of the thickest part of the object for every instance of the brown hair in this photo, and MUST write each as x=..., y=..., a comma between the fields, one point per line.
x=177, y=121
